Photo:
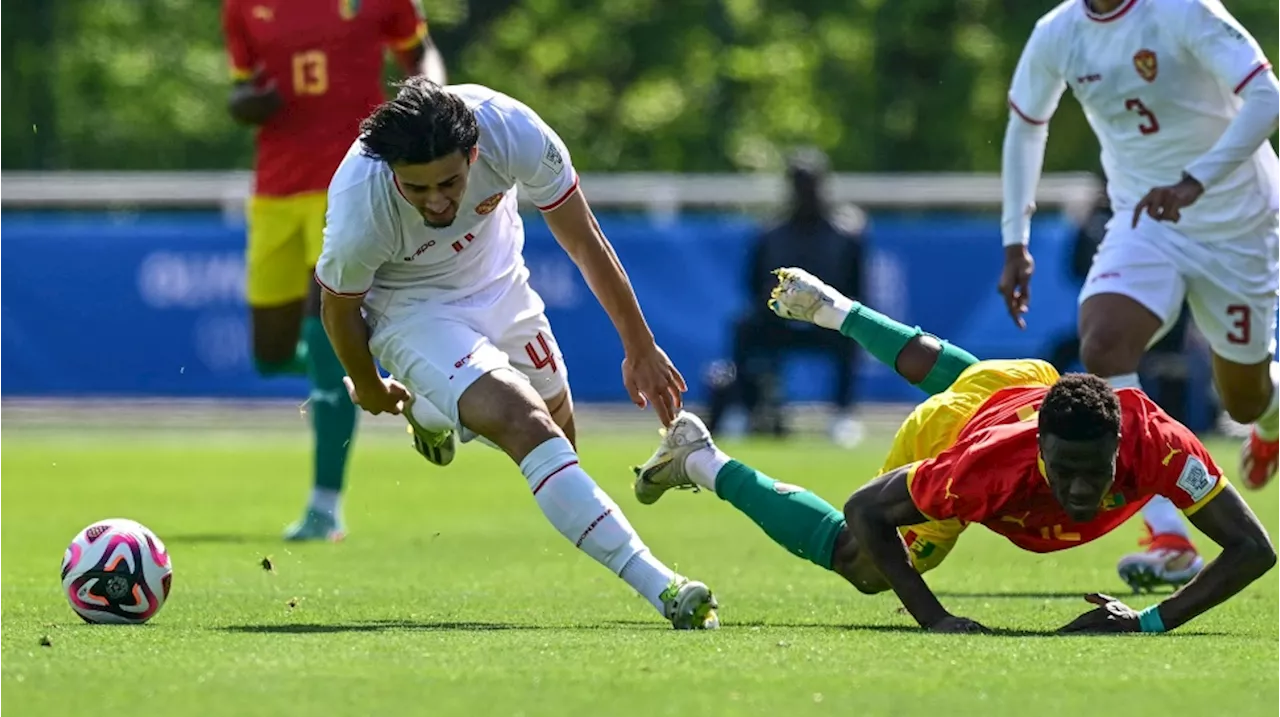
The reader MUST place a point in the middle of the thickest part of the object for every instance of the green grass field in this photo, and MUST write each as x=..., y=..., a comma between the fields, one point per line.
x=452, y=596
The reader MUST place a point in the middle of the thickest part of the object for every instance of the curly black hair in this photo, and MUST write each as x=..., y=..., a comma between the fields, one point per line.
x=422, y=124
x=1080, y=407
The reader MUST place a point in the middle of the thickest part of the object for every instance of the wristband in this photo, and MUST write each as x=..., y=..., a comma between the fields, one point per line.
x=1149, y=620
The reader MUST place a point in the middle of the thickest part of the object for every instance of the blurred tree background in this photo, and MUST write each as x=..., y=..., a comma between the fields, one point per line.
x=681, y=85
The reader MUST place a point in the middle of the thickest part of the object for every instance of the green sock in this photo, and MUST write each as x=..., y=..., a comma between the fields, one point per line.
x=796, y=519
x=333, y=416
x=885, y=338
x=950, y=364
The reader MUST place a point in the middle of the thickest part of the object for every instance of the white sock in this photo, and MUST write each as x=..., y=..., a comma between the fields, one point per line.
x=325, y=500
x=586, y=515
x=704, y=464
x=1164, y=518
x=1124, y=380
x=648, y=576
x=832, y=317
x=1268, y=426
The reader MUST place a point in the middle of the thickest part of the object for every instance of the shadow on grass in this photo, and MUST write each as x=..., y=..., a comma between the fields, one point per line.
x=217, y=539
x=1065, y=595
x=476, y=626
x=854, y=627
x=1060, y=596
x=303, y=628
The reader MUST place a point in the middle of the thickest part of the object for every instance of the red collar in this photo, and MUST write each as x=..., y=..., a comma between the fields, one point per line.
x=1115, y=14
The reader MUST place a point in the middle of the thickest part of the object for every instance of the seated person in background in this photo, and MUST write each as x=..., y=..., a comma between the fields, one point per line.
x=823, y=240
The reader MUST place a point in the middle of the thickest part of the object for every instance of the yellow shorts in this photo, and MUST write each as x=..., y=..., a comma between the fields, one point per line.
x=934, y=426
x=285, y=237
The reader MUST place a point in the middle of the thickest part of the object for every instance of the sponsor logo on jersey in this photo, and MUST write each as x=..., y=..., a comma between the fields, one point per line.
x=263, y=13
x=348, y=9
x=1144, y=61
x=1231, y=29
x=489, y=204
x=420, y=250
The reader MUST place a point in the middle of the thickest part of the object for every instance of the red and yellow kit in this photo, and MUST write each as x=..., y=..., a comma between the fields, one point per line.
x=325, y=58
x=974, y=459
x=993, y=474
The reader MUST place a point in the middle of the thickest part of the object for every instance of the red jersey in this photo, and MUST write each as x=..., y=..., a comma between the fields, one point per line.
x=993, y=474
x=326, y=59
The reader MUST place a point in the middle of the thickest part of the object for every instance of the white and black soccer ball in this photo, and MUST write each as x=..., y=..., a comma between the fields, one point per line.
x=116, y=571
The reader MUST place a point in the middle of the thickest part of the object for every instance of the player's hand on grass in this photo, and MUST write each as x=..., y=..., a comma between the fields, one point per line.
x=1111, y=615
x=952, y=625
x=1015, y=282
x=253, y=101
x=1165, y=204
x=386, y=396
x=651, y=378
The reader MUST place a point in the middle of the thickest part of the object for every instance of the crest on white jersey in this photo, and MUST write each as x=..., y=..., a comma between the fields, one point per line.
x=489, y=204
x=1145, y=62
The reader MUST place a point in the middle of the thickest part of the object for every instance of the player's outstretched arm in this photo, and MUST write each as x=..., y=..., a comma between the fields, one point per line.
x=873, y=515
x=349, y=335
x=1247, y=554
x=1033, y=97
x=1021, y=162
x=926, y=362
x=647, y=373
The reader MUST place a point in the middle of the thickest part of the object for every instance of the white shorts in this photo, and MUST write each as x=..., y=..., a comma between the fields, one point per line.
x=437, y=350
x=1230, y=286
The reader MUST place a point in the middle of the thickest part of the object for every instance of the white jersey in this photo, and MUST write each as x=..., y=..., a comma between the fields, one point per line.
x=1158, y=81
x=377, y=244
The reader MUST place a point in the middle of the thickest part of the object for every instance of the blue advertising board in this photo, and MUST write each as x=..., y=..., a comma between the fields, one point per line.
x=151, y=304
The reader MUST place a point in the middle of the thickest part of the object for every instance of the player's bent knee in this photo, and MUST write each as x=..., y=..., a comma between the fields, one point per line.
x=504, y=408
x=1109, y=351
x=853, y=564
x=276, y=332
x=1114, y=332
x=1244, y=390
x=1244, y=407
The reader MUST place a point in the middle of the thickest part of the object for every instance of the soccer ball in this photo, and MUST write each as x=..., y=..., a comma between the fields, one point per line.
x=116, y=571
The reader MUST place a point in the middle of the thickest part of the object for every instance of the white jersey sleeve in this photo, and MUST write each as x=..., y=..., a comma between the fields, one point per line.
x=1037, y=83
x=1224, y=48
x=1033, y=97
x=1210, y=34
x=359, y=233
x=536, y=158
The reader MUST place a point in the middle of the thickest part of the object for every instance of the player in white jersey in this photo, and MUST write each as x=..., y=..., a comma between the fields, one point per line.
x=1182, y=101
x=422, y=268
